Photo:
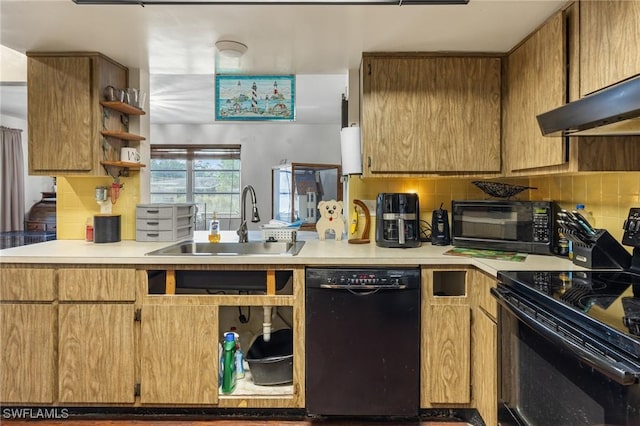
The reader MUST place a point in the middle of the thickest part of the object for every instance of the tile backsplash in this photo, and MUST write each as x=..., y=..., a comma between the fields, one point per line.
x=607, y=196
x=76, y=203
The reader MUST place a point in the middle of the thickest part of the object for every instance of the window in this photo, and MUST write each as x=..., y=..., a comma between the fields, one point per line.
x=206, y=175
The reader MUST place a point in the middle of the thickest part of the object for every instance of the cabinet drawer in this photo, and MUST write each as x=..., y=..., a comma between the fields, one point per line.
x=161, y=224
x=25, y=284
x=172, y=235
x=164, y=211
x=96, y=284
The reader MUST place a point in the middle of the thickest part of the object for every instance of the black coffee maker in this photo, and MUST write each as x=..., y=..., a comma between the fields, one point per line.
x=397, y=220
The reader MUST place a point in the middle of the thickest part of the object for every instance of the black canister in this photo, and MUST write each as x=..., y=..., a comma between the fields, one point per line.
x=106, y=228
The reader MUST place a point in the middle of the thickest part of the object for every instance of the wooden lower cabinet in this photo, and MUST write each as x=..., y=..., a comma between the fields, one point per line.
x=459, y=341
x=446, y=327
x=484, y=347
x=448, y=337
x=96, y=353
x=27, y=373
x=69, y=343
x=485, y=378
x=27, y=335
x=179, y=353
x=96, y=348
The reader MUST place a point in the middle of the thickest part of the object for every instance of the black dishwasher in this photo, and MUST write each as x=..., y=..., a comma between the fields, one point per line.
x=362, y=344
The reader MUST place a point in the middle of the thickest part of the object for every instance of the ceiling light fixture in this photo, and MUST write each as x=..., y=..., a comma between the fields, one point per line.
x=274, y=2
x=230, y=48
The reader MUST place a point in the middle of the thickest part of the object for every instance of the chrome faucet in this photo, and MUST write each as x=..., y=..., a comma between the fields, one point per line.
x=242, y=232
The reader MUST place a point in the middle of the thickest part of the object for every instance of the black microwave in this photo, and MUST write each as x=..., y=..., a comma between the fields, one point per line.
x=521, y=226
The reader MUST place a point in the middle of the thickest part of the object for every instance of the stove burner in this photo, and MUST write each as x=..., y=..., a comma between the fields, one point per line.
x=602, y=300
x=593, y=283
x=574, y=294
x=582, y=292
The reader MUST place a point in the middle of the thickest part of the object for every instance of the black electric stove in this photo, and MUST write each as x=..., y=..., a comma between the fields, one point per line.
x=576, y=333
x=602, y=304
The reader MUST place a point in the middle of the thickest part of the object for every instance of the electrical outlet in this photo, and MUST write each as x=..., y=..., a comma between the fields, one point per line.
x=371, y=205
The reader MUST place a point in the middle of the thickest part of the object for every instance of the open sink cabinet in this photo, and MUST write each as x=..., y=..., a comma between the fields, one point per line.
x=179, y=309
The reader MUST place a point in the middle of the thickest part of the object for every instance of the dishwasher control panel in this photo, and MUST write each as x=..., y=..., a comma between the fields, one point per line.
x=347, y=277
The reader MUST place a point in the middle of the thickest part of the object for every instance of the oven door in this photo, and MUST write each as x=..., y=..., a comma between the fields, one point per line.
x=548, y=378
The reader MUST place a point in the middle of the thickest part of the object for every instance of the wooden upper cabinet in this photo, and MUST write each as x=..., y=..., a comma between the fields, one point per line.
x=609, y=43
x=425, y=114
x=536, y=83
x=64, y=112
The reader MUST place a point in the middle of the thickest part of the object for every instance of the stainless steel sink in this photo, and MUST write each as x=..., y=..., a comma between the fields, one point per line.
x=192, y=248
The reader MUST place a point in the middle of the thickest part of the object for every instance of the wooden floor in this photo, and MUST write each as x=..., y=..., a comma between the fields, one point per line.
x=35, y=417
x=227, y=423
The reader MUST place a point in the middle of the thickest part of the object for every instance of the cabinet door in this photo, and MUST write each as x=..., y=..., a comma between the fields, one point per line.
x=609, y=42
x=431, y=114
x=179, y=355
x=61, y=128
x=535, y=84
x=26, y=353
x=448, y=339
x=96, y=353
x=485, y=376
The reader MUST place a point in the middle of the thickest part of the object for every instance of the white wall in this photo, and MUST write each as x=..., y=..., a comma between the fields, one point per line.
x=34, y=185
x=264, y=145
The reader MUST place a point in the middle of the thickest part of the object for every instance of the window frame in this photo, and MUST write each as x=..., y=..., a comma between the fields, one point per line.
x=190, y=153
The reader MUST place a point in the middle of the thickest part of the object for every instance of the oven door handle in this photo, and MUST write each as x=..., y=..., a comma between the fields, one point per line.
x=610, y=368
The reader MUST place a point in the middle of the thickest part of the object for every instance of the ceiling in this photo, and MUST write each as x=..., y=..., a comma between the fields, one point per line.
x=176, y=44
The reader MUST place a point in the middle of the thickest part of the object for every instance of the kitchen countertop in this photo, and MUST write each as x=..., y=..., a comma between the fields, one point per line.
x=314, y=252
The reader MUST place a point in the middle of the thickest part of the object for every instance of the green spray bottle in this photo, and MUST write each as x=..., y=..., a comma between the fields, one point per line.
x=229, y=363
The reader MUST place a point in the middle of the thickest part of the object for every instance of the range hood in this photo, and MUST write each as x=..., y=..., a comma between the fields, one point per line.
x=614, y=111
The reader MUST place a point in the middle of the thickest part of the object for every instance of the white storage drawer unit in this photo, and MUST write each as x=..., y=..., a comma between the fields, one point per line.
x=164, y=222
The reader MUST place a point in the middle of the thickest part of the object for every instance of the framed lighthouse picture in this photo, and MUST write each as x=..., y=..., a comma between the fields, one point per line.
x=255, y=97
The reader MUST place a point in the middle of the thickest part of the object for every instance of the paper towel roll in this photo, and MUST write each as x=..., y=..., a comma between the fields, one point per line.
x=351, y=151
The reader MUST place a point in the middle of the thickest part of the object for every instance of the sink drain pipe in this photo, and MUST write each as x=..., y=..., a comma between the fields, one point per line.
x=266, y=325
